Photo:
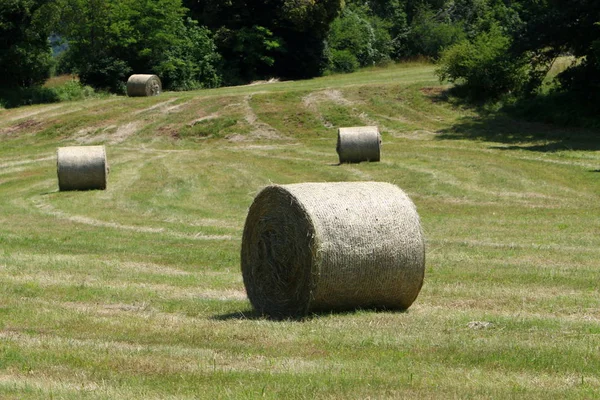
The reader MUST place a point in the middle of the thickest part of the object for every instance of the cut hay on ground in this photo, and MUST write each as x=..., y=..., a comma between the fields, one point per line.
x=359, y=143
x=332, y=246
x=143, y=85
x=81, y=167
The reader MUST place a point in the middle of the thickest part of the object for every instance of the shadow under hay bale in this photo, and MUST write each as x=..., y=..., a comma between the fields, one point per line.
x=359, y=143
x=81, y=168
x=332, y=247
x=143, y=85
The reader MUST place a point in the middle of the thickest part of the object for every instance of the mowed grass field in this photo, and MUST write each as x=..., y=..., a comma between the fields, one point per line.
x=136, y=292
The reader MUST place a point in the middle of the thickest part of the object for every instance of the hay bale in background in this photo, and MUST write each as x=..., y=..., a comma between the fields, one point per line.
x=81, y=167
x=359, y=143
x=143, y=85
x=332, y=246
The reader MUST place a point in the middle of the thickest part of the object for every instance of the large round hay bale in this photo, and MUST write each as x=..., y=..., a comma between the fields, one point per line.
x=332, y=246
x=81, y=167
x=143, y=85
x=358, y=143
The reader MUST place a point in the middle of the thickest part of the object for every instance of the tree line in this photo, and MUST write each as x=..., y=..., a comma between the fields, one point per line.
x=489, y=48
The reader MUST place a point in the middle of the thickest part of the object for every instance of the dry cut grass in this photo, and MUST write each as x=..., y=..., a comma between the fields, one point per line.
x=136, y=291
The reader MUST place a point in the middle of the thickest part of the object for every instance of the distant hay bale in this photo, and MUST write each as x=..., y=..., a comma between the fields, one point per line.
x=332, y=246
x=81, y=167
x=358, y=143
x=143, y=85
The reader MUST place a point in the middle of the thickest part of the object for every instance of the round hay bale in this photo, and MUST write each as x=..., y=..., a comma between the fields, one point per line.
x=143, y=85
x=358, y=143
x=81, y=167
x=332, y=246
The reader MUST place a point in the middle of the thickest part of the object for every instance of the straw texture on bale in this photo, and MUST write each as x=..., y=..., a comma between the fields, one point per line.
x=359, y=143
x=81, y=167
x=331, y=246
x=143, y=85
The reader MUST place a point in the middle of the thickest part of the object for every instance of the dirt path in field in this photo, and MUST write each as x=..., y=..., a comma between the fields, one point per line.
x=112, y=134
x=312, y=101
x=161, y=107
x=260, y=129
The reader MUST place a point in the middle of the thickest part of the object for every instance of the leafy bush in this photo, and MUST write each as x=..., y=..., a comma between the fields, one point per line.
x=343, y=61
x=356, y=39
x=16, y=97
x=73, y=90
x=352, y=33
x=104, y=72
x=484, y=66
x=68, y=91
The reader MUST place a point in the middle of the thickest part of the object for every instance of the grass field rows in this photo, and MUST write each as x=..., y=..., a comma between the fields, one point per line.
x=136, y=291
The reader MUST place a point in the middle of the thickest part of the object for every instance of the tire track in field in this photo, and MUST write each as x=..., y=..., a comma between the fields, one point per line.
x=162, y=107
x=80, y=219
x=56, y=110
x=11, y=167
x=263, y=152
x=130, y=176
x=512, y=245
x=524, y=199
x=28, y=113
x=163, y=358
x=313, y=100
x=127, y=176
x=162, y=290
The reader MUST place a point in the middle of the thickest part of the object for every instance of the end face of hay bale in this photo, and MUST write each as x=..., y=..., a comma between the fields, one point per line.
x=81, y=168
x=278, y=255
x=359, y=143
x=332, y=246
x=143, y=85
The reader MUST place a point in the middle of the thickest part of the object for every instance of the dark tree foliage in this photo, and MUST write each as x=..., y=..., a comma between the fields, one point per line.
x=303, y=26
x=263, y=38
x=25, y=53
x=358, y=38
x=557, y=27
x=515, y=59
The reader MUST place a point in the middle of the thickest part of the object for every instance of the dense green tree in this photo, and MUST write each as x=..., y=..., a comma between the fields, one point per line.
x=303, y=26
x=393, y=16
x=192, y=61
x=265, y=38
x=25, y=52
x=248, y=52
x=432, y=31
x=111, y=39
x=556, y=27
x=484, y=66
x=436, y=26
x=538, y=31
x=357, y=38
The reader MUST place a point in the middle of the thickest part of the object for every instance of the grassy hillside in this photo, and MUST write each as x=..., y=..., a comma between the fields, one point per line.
x=135, y=292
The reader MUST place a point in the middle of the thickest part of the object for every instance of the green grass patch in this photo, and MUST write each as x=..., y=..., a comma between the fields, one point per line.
x=136, y=291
